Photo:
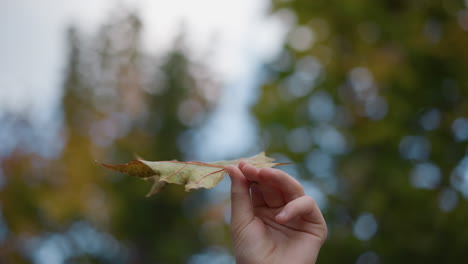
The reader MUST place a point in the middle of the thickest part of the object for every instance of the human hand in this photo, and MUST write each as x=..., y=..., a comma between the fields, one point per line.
x=272, y=220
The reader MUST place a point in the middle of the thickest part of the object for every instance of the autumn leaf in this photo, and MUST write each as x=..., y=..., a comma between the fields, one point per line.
x=191, y=174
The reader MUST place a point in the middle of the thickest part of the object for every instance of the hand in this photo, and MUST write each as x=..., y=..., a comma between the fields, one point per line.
x=272, y=220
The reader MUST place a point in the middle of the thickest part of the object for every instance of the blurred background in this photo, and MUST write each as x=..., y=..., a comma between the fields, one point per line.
x=367, y=99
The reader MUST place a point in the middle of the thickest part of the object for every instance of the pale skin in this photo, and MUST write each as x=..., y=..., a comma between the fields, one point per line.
x=272, y=220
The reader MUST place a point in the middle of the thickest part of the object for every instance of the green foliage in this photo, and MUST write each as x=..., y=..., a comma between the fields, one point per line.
x=364, y=98
x=117, y=100
x=367, y=98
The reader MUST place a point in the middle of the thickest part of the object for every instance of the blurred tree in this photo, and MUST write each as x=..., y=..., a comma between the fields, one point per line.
x=117, y=100
x=367, y=99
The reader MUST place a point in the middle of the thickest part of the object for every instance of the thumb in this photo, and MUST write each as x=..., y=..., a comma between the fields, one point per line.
x=241, y=205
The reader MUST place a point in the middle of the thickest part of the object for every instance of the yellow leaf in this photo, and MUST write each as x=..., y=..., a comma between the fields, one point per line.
x=191, y=174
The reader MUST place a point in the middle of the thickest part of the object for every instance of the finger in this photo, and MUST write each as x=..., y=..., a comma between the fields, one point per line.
x=242, y=164
x=305, y=207
x=241, y=205
x=257, y=196
x=271, y=195
x=250, y=172
x=289, y=186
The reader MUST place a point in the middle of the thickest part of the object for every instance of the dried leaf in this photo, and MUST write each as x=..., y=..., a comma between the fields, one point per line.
x=191, y=174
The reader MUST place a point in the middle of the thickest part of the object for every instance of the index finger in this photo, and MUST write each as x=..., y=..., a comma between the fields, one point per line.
x=289, y=186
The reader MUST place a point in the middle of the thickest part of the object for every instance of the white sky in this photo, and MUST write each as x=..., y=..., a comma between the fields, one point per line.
x=32, y=38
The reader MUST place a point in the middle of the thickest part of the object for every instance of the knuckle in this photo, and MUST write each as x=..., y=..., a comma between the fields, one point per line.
x=309, y=202
x=265, y=172
x=324, y=234
x=237, y=194
x=262, y=172
x=300, y=187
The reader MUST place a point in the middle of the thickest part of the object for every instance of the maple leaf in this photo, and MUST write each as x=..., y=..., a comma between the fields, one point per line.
x=191, y=174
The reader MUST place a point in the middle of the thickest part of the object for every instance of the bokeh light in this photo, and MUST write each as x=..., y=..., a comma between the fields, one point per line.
x=365, y=99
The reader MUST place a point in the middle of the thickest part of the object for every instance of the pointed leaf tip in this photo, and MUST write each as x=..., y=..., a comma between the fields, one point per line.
x=134, y=168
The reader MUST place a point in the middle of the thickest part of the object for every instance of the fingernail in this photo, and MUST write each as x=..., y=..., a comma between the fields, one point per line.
x=282, y=214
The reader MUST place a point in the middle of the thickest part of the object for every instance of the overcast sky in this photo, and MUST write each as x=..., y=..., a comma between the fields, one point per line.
x=32, y=50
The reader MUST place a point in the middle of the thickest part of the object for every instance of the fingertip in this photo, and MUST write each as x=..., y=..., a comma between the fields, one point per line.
x=242, y=164
x=248, y=166
x=282, y=217
x=234, y=173
x=230, y=170
x=250, y=172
